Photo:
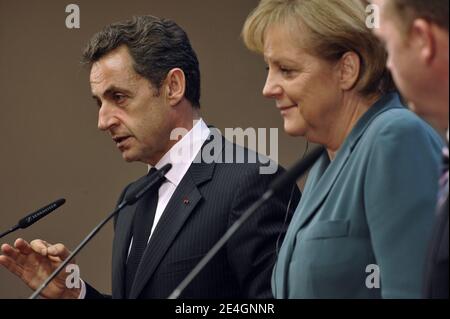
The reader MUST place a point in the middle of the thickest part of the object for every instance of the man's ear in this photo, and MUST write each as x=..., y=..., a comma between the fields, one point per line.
x=175, y=86
x=422, y=40
x=350, y=66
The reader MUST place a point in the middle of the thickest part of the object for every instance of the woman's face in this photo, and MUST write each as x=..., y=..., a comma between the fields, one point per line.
x=305, y=87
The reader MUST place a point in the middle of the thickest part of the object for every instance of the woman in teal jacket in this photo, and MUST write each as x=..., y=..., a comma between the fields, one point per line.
x=364, y=220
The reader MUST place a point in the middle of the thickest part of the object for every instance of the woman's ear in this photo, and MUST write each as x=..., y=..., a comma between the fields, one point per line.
x=350, y=66
x=175, y=86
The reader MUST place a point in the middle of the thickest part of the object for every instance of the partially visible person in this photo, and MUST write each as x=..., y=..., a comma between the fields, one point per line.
x=361, y=228
x=416, y=35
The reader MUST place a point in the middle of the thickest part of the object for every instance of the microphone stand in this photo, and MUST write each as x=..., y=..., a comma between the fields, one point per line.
x=275, y=187
x=129, y=200
x=9, y=231
x=215, y=249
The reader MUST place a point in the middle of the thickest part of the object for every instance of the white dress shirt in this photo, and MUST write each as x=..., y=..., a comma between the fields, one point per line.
x=181, y=156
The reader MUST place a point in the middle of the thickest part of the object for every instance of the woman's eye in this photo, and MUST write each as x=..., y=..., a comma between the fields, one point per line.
x=285, y=71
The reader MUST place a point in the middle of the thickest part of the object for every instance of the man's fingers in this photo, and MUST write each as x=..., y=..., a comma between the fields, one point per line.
x=10, y=252
x=7, y=262
x=23, y=246
x=40, y=246
x=11, y=265
x=59, y=250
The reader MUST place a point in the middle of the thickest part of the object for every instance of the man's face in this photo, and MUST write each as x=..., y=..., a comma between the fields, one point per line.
x=403, y=61
x=134, y=113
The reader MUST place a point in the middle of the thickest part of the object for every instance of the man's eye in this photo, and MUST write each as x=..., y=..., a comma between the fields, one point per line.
x=119, y=98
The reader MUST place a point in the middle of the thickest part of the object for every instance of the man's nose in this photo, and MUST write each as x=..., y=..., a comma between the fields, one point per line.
x=106, y=118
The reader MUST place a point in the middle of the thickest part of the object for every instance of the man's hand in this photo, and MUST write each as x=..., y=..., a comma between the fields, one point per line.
x=34, y=262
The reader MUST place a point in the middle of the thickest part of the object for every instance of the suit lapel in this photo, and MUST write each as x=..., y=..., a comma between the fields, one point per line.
x=171, y=222
x=121, y=244
x=173, y=218
x=281, y=269
x=325, y=183
x=122, y=238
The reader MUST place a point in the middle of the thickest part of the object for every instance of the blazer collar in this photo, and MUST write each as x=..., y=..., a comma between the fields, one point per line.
x=321, y=180
x=385, y=103
x=182, y=204
x=325, y=172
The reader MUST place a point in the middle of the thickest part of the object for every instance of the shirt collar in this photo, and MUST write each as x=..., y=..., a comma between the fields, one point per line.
x=183, y=153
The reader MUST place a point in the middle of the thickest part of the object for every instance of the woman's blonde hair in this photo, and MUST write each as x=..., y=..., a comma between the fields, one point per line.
x=333, y=27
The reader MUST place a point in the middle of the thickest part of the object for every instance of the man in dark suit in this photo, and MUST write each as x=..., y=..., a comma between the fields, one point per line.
x=417, y=40
x=145, y=79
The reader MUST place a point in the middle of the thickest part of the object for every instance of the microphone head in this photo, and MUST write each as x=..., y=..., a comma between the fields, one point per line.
x=146, y=184
x=165, y=169
x=40, y=213
x=300, y=168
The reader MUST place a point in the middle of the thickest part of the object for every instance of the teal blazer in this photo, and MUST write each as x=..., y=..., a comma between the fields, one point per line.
x=364, y=221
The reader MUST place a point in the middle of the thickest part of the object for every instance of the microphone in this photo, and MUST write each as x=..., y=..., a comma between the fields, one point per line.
x=34, y=217
x=130, y=199
x=297, y=170
x=134, y=196
x=300, y=168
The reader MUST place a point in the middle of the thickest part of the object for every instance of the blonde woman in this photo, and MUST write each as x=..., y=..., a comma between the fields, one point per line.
x=363, y=223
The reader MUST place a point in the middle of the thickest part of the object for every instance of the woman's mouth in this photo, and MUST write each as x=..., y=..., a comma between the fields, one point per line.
x=285, y=109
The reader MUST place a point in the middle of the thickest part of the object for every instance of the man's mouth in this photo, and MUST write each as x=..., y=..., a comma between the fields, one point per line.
x=120, y=139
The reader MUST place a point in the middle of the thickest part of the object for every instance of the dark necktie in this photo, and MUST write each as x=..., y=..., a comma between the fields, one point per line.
x=142, y=226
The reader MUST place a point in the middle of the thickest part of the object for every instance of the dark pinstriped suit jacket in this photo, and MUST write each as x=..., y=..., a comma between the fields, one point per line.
x=436, y=284
x=218, y=194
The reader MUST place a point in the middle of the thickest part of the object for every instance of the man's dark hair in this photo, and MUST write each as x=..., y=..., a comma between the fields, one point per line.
x=156, y=45
x=435, y=11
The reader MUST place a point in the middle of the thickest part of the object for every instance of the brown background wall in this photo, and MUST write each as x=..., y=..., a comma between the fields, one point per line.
x=50, y=146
